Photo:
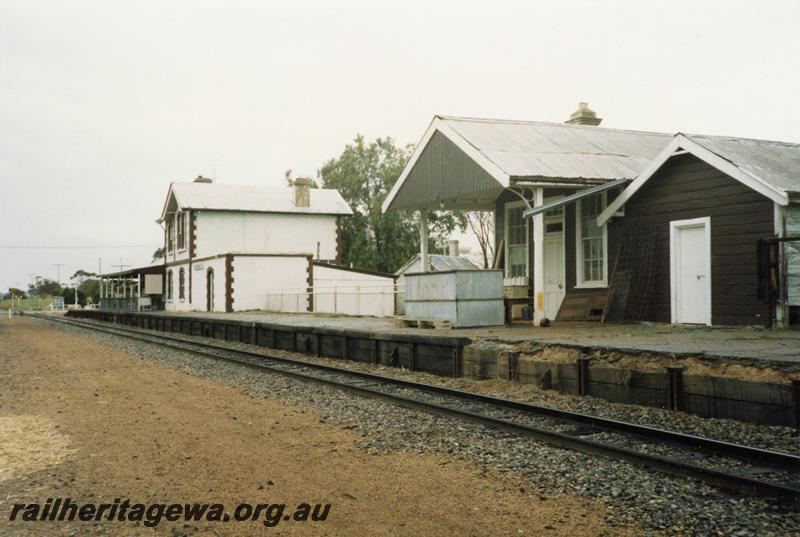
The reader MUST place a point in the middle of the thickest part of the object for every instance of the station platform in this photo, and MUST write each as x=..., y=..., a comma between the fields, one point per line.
x=781, y=346
x=747, y=374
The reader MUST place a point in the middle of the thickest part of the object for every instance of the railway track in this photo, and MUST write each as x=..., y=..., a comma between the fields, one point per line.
x=733, y=467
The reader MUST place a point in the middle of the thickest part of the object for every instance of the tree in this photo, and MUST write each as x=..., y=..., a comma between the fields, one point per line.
x=69, y=296
x=158, y=254
x=481, y=223
x=83, y=275
x=45, y=287
x=89, y=290
x=364, y=174
x=14, y=292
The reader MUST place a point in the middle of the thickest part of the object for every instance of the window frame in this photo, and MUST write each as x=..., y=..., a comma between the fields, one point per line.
x=169, y=285
x=180, y=224
x=507, y=246
x=181, y=284
x=170, y=236
x=580, y=281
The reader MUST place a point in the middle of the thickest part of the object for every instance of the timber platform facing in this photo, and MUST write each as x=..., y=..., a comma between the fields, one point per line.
x=438, y=355
x=591, y=370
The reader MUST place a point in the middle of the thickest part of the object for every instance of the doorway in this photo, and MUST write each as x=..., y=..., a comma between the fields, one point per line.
x=690, y=270
x=554, y=269
x=210, y=289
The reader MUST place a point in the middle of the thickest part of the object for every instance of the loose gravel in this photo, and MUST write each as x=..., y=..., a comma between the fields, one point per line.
x=632, y=495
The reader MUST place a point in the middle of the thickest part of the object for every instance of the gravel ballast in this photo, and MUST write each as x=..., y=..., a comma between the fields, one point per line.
x=656, y=501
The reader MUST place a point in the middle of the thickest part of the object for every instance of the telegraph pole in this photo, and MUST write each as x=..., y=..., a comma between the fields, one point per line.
x=58, y=268
x=121, y=267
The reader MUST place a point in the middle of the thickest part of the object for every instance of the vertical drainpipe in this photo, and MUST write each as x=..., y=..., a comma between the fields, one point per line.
x=189, y=234
x=538, y=258
x=229, y=283
x=423, y=241
x=338, y=240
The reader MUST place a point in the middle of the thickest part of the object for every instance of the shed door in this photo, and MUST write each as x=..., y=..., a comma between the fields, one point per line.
x=690, y=251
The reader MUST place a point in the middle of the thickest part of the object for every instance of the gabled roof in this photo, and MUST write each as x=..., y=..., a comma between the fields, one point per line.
x=261, y=199
x=538, y=150
x=770, y=168
x=777, y=164
x=530, y=151
x=440, y=262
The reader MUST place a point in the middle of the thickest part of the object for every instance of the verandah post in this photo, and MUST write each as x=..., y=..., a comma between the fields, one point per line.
x=423, y=240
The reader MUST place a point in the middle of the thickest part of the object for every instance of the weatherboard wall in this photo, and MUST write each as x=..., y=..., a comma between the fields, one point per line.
x=687, y=188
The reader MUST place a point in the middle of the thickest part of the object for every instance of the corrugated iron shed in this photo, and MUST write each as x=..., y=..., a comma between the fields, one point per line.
x=438, y=263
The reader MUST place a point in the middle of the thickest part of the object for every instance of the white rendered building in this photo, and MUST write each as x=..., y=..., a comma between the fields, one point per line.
x=227, y=245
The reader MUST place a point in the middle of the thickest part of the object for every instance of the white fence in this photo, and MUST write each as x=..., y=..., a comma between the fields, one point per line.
x=377, y=300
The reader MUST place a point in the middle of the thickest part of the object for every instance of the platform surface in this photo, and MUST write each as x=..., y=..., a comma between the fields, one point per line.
x=780, y=345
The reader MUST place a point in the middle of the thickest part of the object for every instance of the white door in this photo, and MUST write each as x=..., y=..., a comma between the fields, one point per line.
x=553, y=252
x=690, y=253
x=554, y=284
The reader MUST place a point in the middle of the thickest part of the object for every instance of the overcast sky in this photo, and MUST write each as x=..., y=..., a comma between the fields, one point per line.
x=102, y=103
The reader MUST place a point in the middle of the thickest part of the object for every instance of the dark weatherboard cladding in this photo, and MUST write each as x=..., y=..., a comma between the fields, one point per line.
x=442, y=172
x=686, y=188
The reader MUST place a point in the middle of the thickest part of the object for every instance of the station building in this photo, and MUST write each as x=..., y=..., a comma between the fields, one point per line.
x=225, y=245
x=618, y=225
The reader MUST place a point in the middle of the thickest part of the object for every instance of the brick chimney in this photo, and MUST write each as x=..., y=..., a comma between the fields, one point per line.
x=302, y=191
x=201, y=179
x=584, y=116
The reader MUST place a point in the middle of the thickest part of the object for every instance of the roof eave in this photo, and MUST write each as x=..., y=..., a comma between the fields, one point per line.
x=517, y=180
x=439, y=125
x=170, y=193
x=681, y=144
x=316, y=213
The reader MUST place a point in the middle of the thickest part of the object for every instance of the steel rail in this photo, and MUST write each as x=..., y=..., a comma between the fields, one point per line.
x=660, y=463
x=776, y=458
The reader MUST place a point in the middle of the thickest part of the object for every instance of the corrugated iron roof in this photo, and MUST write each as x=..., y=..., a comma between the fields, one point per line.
x=770, y=168
x=775, y=163
x=440, y=262
x=264, y=199
x=572, y=198
x=152, y=268
x=558, y=151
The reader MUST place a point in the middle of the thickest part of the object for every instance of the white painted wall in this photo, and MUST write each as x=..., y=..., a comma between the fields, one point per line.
x=175, y=303
x=279, y=283
x=253, y=277
x=222, y=232
x=352, y=293
x=198, y=295
x=199, y=284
